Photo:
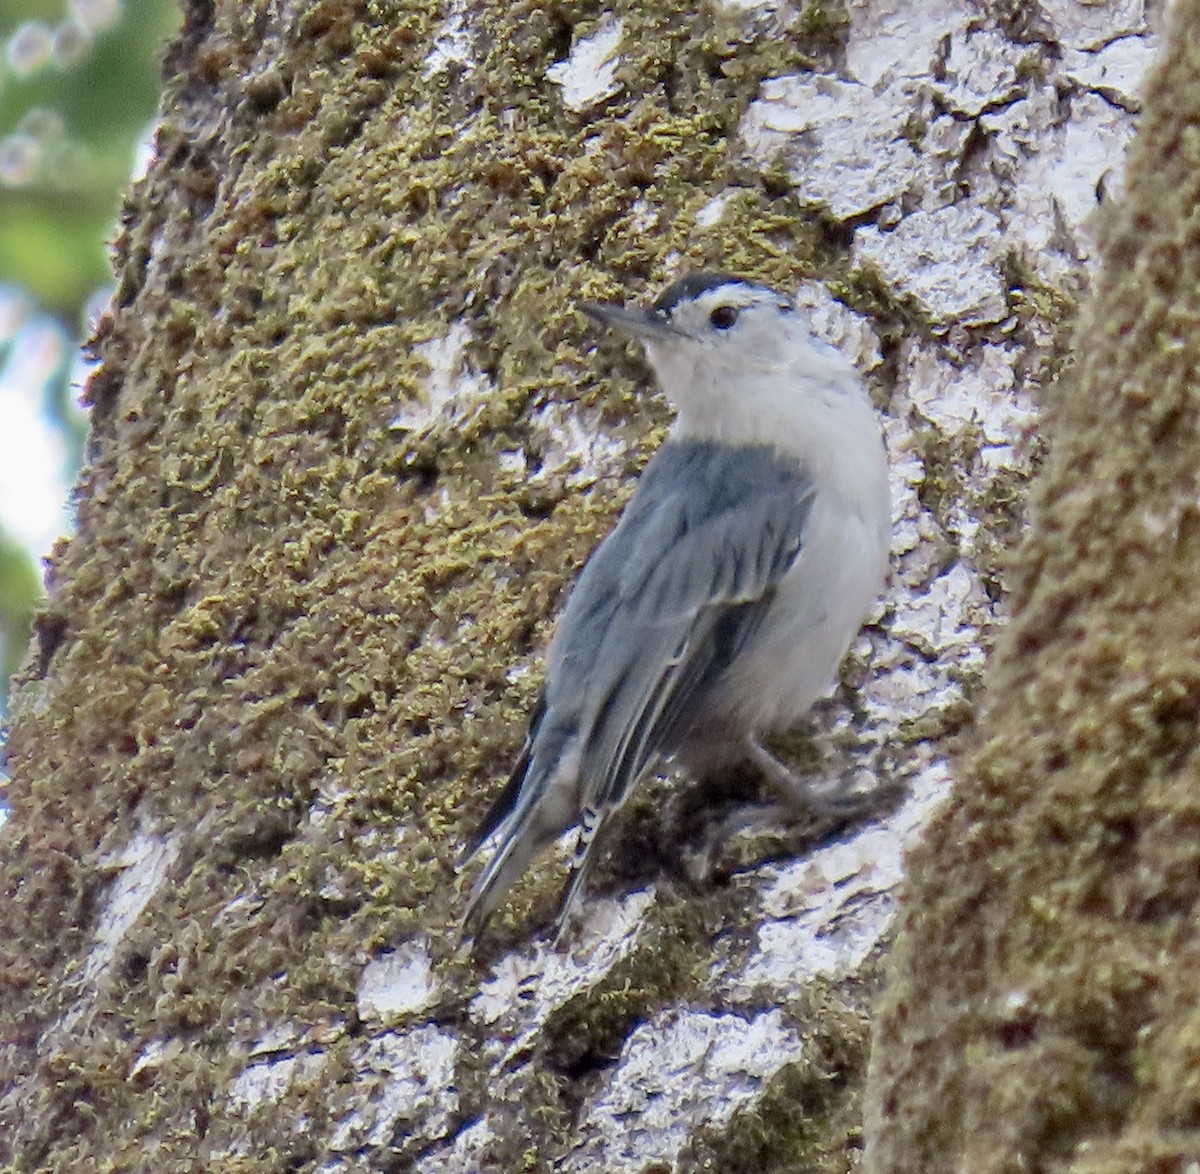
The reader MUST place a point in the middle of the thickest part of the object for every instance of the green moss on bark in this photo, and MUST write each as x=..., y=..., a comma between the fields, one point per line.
x=281, y=640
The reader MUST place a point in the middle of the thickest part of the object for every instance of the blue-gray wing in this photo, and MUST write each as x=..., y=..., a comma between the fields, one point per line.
x=663, y=606
x=666, y=602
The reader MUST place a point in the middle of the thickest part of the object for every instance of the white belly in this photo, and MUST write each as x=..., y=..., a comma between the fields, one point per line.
x=818, y=609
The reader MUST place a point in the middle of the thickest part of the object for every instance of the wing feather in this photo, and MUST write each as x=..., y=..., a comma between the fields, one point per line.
x=663, y=606
x=690, y=577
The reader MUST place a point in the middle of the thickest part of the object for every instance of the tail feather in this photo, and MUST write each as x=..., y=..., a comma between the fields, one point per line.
x=533, y=810
x=505, y=803
x=542, y=813
x=581, y=864
x=502, y=807
x=512, y=855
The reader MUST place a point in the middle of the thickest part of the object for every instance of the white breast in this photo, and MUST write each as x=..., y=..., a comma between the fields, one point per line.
x=825, y=420
x=818, y=609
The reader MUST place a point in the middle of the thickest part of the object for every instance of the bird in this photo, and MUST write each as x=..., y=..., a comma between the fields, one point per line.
x=720, y=606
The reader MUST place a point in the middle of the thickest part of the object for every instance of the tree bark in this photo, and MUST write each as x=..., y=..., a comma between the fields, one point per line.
x=1042, y=1009
x=350, y=441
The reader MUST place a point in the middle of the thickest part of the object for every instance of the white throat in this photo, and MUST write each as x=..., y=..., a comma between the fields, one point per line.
x=813, y=408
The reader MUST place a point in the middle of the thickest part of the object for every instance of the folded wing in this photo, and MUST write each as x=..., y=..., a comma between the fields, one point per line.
x=663, y=606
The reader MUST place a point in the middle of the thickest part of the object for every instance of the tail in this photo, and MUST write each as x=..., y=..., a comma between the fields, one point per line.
x=506, y=801
x=502, y=807
x=543, y=809
x=513, y=853
x=536, y=805
x=503, y=868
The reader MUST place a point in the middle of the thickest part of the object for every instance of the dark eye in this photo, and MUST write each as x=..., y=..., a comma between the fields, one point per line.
x=723, y=317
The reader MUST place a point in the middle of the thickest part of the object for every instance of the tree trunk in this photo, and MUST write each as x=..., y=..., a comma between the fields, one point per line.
x=350, y=441
x=1042, y=1009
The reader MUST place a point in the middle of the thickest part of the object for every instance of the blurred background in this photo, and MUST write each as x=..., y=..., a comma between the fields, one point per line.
x=79, y=85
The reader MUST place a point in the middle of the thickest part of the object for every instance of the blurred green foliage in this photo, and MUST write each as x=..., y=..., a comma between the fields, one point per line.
x=19, y=593
x=79, y=85
x=86, y=118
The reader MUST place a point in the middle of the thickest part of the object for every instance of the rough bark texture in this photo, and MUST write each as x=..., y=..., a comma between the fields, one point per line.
x=1042, y=1013
x=350, y=441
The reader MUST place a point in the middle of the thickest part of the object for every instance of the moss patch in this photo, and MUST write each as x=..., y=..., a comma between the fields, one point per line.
x=283, y=635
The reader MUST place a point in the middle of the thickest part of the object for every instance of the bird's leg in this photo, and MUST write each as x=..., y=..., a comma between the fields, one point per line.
x=828, y=805
x=798, y=793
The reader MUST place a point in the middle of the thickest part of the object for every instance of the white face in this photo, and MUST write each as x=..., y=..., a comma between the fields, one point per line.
x=735, y=326
x=718, y=343
x=740, y=364
x=728, y=335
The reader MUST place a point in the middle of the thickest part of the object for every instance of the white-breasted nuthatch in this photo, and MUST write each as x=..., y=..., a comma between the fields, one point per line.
x=720, y=606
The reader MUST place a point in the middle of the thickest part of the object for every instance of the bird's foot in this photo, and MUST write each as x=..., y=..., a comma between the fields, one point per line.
x=845, y=799
x=751, y=834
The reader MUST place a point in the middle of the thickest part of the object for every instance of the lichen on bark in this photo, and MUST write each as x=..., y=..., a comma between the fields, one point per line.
x=270, y=691
x=1041, y=1012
